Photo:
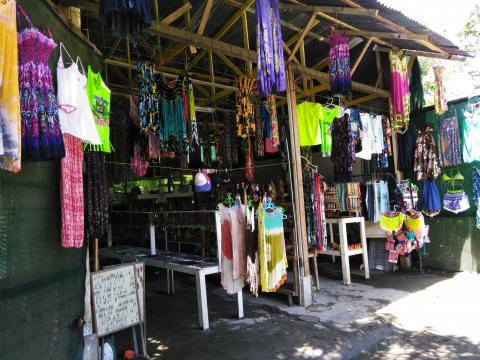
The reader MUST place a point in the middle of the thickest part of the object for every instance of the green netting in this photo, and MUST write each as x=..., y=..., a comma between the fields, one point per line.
x=455, y=238
x=41, y=284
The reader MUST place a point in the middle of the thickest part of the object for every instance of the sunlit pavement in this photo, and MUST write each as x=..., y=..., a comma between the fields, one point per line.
x=392, y=316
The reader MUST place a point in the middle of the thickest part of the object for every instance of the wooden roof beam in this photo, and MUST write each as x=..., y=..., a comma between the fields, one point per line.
x=205, y=17
x=424, y=54
x=177, y=14
x=329, y=9
x=400, y=28
x=241, y=53
x=286, y=24
x=302, y=36
x=360, y=56
x=224, y=29
x=386, y=35
x=231, y=65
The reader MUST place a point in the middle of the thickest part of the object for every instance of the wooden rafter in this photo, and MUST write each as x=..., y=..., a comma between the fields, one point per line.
x=302, y=36
x=424, y=54
x=188, y=25
x=241, y=53
x=388, y=22
x=177, y=14
x=363, y=99
x=205, y=17
x=230, y=64
x=329, y=9
x=386, y=35
x=212, y=71
x=246, y=42
x=285, y=24
x=378, y=62
x=303, y=61
x=226, y=26
x=114, y=47
x=288, y=51
x=360, y=56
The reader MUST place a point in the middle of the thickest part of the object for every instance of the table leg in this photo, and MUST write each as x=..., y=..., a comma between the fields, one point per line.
x=331, y=239
x=240, y=304
x=363, y=238
x=172, y=282
x=344, y=253
x=202, y=301
x=168, y=282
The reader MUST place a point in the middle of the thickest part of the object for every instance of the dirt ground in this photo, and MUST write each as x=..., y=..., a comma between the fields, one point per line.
x=391, y=316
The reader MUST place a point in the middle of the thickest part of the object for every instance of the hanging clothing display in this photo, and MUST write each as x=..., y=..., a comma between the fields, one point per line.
x=406, y=150
x=343, y=150
x=272, y=141
x=417, y=99
x=138, y=164
x=329, y=114
x=173, y=128
x=449, y=140
x=431, y=200
x=272, y=252
x=99, y=99
x=439, y=94
x=249, y=162
x=245, y=107
x=399, y=91
x=309, y=117
x=471, y=134
x=476, y=193
x=387, y=135
x=339, y=65
x=356, y=126
x=455, y=199
x=377, y=199
x=262, y=129
x=378, y=136
x=405, y=232
x=426, y=160
x=229, y=140
x=71, y=193
x=408, y=195
x=367, y=137
x=192, y=117
x=148, y=109
x=270, y=63
x=10, y=123
x=231, y=229
x=315, y=210
x=96, y=195
x=74, y=112
x=41, y=134
x=125, y=18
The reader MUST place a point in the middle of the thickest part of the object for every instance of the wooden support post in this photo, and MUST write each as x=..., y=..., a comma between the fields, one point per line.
x=246, y=42
x=299, y=204
x=378, y=60
x=188, y=25
x=360, y=56
x=303, y=61
x=129, y=63
x=410, y=63
x=212, y=71
x=230, y=64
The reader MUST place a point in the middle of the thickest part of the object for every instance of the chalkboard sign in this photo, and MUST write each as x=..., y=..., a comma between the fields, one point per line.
x=115, y=299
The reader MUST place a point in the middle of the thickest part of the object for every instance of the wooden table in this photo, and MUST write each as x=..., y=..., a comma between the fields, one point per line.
x=188, y=264
x=344, y=252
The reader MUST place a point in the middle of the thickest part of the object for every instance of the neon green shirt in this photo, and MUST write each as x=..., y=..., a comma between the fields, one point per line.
x=99, y=98
x=329, y=114
x=309, y=116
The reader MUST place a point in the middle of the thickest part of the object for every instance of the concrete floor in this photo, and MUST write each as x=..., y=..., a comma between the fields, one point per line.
x=391, y=316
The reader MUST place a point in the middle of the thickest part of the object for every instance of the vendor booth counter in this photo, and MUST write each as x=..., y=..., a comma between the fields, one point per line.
x=197, y=266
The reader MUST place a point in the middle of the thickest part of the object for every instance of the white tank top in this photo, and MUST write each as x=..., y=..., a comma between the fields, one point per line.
x=74, y=110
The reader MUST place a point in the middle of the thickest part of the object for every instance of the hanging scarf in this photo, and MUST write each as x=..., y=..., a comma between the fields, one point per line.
x=259, y=134
x=271, y=68
x=147, y=98
x=417, y=100
x=439, y=95
x=245, y=107
x=272, y=109
x=339, y=65
x=399, y=92
x=249, y=165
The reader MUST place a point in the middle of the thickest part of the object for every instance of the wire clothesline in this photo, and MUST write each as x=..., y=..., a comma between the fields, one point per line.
x=191, y=170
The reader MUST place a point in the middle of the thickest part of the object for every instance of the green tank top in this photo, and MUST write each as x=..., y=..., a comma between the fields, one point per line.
x=326, y=129
x=99, y=98
x=309, y=115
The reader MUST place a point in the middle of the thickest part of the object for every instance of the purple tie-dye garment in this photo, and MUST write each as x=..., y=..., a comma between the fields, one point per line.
x=271, y=67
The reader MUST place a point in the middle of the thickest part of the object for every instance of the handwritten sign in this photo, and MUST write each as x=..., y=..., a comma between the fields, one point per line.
x=115, y=299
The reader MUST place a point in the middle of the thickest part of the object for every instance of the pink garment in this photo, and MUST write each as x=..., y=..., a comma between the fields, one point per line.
x=138, y=164
x=71, y=192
